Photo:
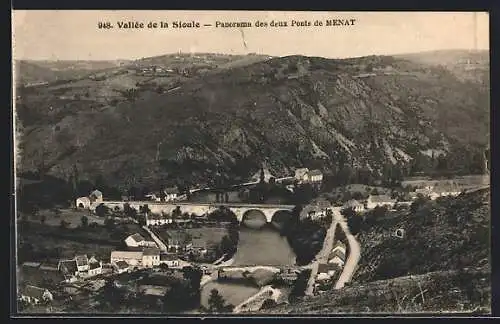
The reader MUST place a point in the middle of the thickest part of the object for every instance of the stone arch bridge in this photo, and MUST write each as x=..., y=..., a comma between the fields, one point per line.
x=240, y=210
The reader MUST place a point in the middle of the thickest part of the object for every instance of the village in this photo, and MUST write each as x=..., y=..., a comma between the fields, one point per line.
x=169, y=245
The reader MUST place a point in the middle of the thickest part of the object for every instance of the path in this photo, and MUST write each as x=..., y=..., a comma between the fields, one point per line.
x=157, y=240
x=352, y=258
x=322, y=256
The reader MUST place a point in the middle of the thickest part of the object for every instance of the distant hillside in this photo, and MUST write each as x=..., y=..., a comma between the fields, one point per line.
x=469, y=65
x=133, y=125
x=441, y=264
x=37, y=72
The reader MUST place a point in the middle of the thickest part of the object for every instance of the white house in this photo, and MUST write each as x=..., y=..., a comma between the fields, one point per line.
x=379, y=200
x=137, y=240
x=327, y=271
x=120, y=266
x=171, y=193
x=83, y=202
x=150, y=258
x=35, y=295
x=157, y=220
x=95, y=267
x=145, y=258
x=171, y=260
x=300, y=174
x=314, y=176
x=338, y=254
x=133, y=258
x=96, y=196
x=82, y=263
x=355, y=205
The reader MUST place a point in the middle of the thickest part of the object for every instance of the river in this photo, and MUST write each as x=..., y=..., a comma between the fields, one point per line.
x=255, y=247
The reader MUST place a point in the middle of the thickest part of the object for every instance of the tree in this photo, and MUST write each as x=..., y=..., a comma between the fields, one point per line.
x=145, y=209
x=268, y=303
x=215, y=302
x=101, y=210
x=176, y=213
x=129, y=211
x=226, y=245
x=418, y=203
x=85, y=221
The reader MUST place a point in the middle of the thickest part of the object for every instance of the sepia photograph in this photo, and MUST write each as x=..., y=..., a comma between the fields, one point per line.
x=251, y=163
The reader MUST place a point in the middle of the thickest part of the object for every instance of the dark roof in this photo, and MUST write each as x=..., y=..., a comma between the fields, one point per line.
x=81, y=260
x=151, y=252
x=325, y=267
x=121, y=264
x=338, y=253
x=68, y=266
x=137, y=237
x=94, y=265
x=315, y=172
x=168, y=257
x=34, y=292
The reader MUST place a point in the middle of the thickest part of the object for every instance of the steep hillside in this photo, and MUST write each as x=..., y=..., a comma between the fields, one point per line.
x=450, y=233
x=441, y=264
x=290, y=111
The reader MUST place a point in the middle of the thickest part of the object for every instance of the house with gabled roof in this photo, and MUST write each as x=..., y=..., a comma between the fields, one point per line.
x=171, y=193
x=120, y=266
x=150, y=257
x=96, y=196
x=315, y=176
x=137, y=240
x=35, y=295
x=327, y=271
x=355, y=205
x=380, y=201
x=300, y=174
x=338, y=254
x=82, y=263
x=69, y=269
x=95, y=267
x=171, y=260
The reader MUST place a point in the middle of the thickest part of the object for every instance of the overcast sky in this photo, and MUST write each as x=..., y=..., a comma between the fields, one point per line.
x=73, y=35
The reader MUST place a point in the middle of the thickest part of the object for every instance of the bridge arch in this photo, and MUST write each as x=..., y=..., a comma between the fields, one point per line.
x=280, y=218
x=254, y=218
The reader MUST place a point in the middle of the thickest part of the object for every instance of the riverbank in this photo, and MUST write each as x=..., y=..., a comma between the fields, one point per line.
x=254, y=303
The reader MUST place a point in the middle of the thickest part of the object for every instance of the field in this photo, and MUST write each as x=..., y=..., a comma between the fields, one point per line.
x=71, y=216
x=40, y=242
x=208, y=234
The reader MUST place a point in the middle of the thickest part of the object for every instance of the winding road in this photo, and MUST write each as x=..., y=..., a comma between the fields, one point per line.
x=352, y=258
x=322, y=257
